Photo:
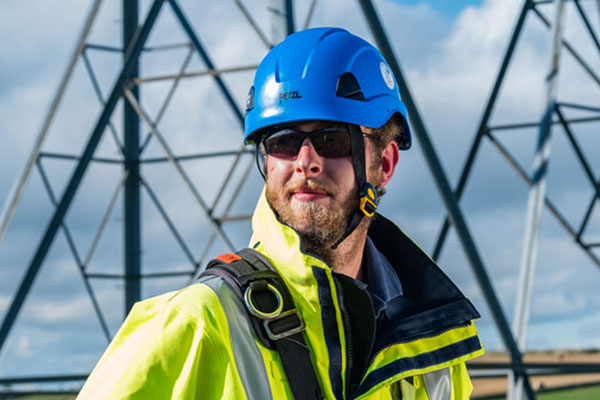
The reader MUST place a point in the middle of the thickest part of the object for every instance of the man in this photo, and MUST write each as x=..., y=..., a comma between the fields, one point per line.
x=375, y=318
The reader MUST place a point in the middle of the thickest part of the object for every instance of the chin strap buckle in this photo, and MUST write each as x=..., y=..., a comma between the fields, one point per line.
x=368, y=199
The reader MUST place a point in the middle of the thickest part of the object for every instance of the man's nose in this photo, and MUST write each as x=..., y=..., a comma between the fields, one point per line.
x=308, y=162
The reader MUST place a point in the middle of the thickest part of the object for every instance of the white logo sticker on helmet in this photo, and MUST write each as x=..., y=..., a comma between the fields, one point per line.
x=387, y=75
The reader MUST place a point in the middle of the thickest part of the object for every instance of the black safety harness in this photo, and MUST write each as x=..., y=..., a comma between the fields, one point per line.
x=272, y=314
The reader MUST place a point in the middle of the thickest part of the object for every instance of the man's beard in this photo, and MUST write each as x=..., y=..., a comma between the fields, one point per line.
x=319, y=226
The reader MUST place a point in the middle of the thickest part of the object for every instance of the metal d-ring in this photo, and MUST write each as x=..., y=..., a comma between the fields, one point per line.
x=258, y=313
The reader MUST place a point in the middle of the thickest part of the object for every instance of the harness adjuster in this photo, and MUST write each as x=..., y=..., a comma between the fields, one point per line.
x=278, y=324
x=288, y=323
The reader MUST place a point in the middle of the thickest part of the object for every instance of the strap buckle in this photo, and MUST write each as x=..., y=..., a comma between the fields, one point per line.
x=286, y=324
x=278, y=324
x=264, y=314
x=368, y=199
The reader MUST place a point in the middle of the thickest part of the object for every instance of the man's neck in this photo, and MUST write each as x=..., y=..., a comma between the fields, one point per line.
x=347, y=257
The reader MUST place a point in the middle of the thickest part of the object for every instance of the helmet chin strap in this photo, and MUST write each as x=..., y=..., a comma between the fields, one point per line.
x=368, y=196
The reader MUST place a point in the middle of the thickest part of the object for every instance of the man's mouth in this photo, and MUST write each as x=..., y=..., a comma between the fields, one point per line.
x=309, y=195
x=309, y=191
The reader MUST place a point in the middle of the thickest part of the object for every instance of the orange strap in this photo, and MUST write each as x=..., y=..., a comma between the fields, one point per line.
x=228, y=258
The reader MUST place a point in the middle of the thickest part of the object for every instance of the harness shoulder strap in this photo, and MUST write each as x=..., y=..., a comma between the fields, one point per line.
x=272, y=314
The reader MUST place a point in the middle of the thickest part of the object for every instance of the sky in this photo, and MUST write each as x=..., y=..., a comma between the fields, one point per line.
x=450, y=53
x=448, y=8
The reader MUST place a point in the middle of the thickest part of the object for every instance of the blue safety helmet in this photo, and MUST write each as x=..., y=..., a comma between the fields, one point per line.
x=327, y=74
x=324, y=74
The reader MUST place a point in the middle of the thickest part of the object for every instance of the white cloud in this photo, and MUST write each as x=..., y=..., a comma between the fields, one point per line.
x=29, y=345
x=23, y=347
x=559, y=303
x=60, y=311
x=4, y=301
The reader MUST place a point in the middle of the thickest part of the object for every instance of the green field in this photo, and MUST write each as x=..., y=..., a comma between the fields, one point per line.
x=581, y=393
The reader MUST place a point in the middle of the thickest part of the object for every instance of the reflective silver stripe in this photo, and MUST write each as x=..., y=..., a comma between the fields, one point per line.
x=439, y=384
x=248, y=357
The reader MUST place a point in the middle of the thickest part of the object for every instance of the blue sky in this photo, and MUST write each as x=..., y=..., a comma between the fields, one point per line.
x=450, y=52
x=449, y=7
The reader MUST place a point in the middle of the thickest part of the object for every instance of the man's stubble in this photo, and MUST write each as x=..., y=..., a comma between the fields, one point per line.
x=319, y=226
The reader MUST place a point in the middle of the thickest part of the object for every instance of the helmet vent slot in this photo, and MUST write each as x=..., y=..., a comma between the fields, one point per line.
x=348, y=87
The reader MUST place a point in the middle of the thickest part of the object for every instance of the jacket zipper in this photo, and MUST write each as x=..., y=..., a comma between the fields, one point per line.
x=375, y=354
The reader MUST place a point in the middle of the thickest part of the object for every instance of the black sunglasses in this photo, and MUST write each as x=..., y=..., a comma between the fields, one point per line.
x=330, y=142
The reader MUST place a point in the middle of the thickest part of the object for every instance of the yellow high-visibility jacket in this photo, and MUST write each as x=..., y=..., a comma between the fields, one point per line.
x=197, y=343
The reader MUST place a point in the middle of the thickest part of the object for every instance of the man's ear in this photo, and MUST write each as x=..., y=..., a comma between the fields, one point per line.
x=389, y=160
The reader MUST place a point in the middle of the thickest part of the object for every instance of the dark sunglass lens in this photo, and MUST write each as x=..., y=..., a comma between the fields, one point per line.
x=283, y=144
x=332, y=143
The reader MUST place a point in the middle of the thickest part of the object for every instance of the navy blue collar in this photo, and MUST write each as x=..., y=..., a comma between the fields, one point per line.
x=381, y=279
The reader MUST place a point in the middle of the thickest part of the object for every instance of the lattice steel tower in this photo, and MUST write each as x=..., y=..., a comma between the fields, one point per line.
x=209, y=188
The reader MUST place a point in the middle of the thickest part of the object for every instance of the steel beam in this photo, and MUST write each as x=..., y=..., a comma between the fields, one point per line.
x=447, y=195
x=224, y=218
x=101, y=47
x=289, y=16
x=253, y=23
x=61, y=156
x=570, y=49
x=78, y=173
x=524, y=125
x=207, y=60
x=75, y=253
x=587, y=24
x=586, y=167
x=103, y=222
x=587, y=215
x=98, y=91
x=132, y=225
x=196, y=156
x=310, y=13
x=228, y=177
x=169, y=223
x=40, y=379
x=483, y=123
x=583, y=107
x=535, y=369
x=551, y=207
x=535, y=203
x=197, y=196
x=213, y=72
x=528, y=5
x=17, y=190
x=168, y=97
